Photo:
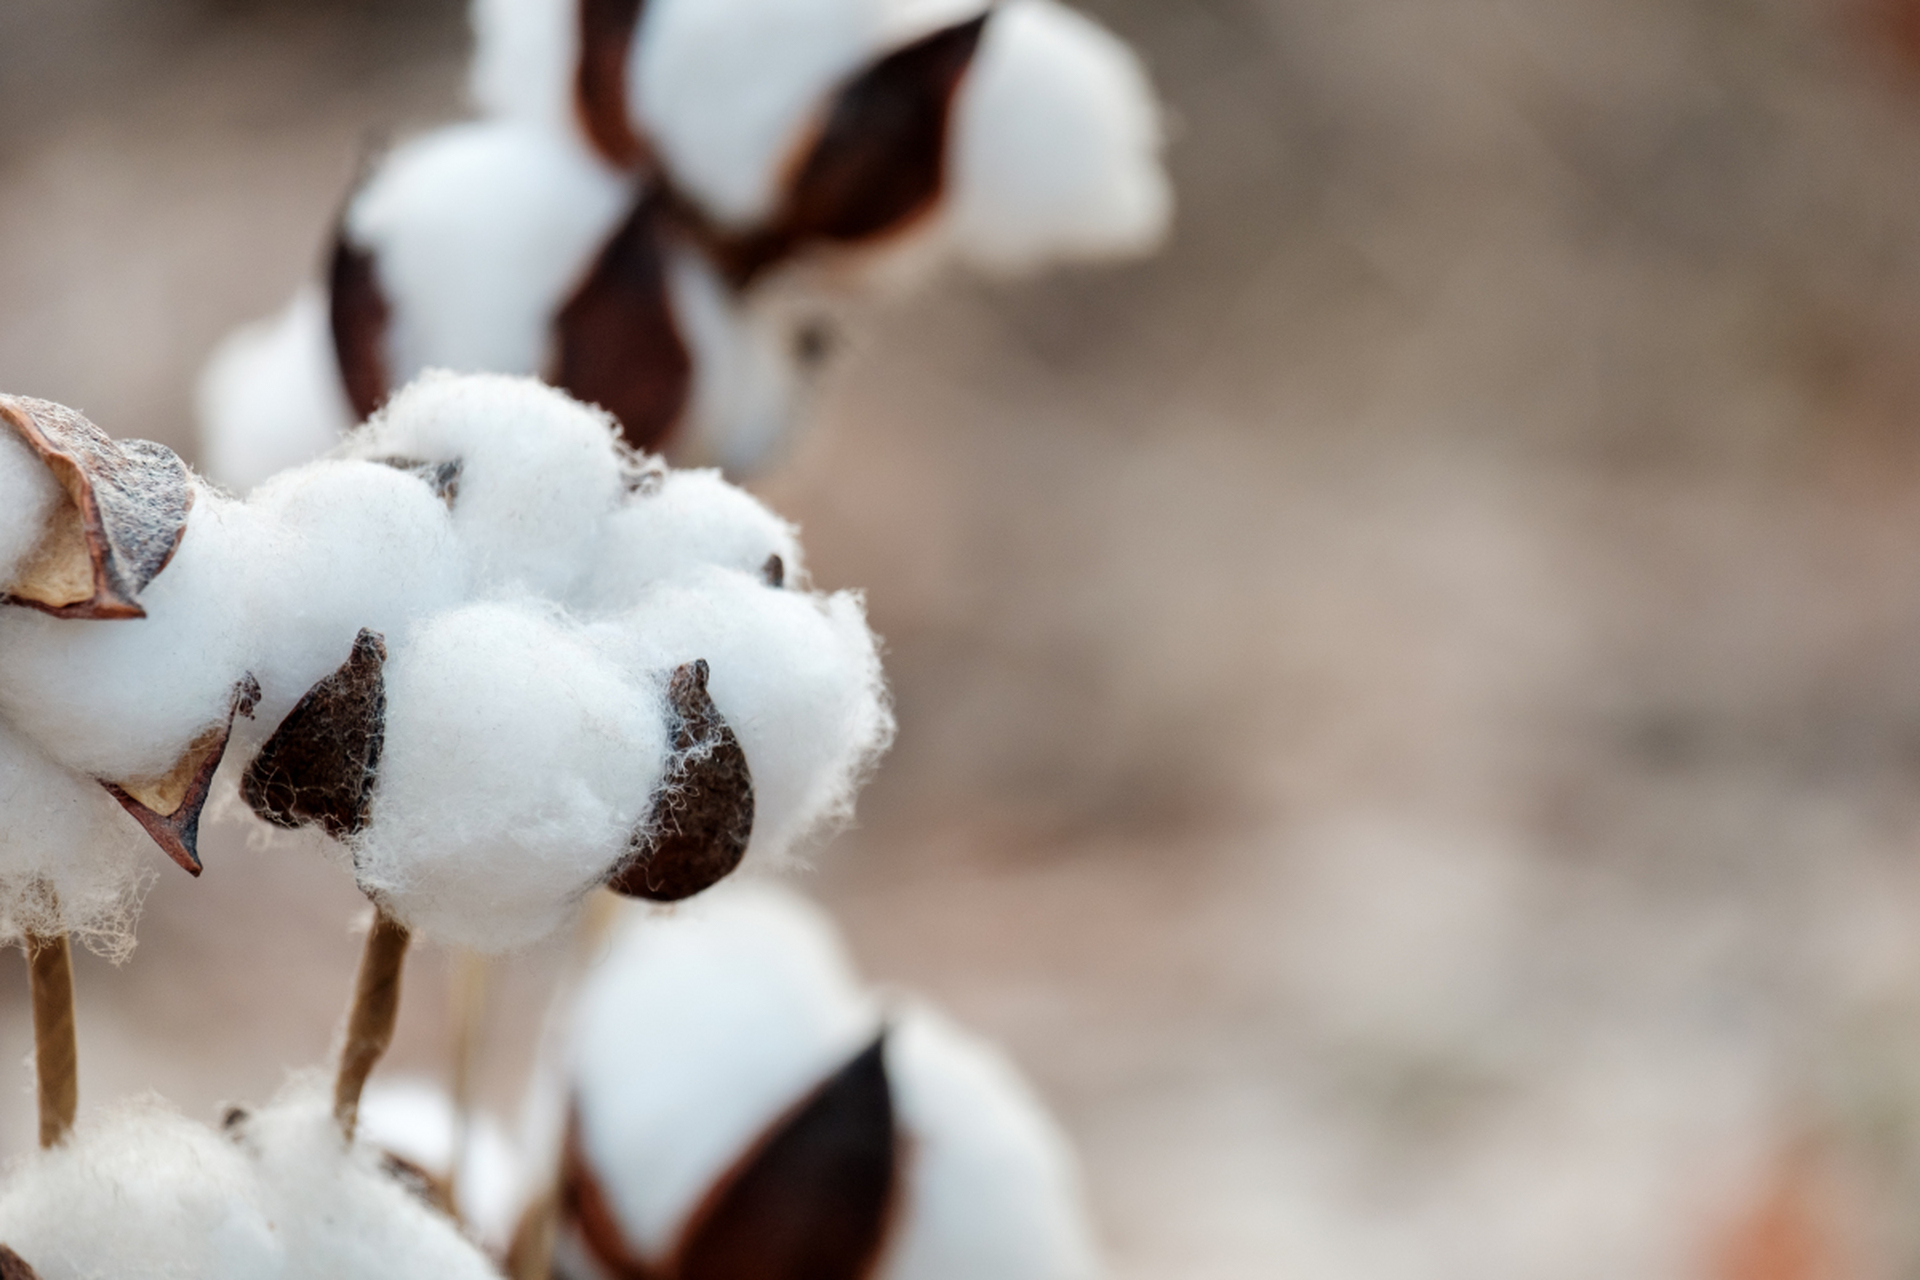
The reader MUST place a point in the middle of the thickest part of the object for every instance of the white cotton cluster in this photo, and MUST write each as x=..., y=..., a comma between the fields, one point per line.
x=534, y=587
x=415, y=1121
x=28, y=493
x=270, y=396
x=699, y=1031
x=144, y=1194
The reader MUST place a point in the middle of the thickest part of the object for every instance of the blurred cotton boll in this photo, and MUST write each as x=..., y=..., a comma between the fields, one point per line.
x=414, y=1120
x=270, y=397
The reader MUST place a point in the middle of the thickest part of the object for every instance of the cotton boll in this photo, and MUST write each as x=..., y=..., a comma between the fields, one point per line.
x=725, y=89
x=479, y=232
x=992, y=1186
x=524, y=54
x=697, y=1032
x=1055, y=145
x=539, y=474
x=415, y=1120
x=797, y=676
x=63, y=833
x=143, y=1195
x=690, y=519
x=124, y=699
x=356, y=544
x=270, y=397
x=518, y=764
x=28, y=495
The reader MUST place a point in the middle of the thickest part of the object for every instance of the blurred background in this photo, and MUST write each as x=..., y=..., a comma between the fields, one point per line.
x=1410, y=701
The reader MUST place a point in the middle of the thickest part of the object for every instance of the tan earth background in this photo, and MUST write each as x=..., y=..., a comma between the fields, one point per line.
x=1410, y=702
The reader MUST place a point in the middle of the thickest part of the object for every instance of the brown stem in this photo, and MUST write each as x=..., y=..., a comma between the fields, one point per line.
x=376, y=1004
x=530, y=1255
x=468, y=1014
x=56, y=1058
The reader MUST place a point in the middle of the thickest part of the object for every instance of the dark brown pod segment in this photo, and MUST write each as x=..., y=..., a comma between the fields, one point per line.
x=704, y=817
x=360, y=315
x=14, y=1267
x=122, y=518
x=318, y=768
x=600, y=79
x=774, y=571
x=618, y=344
x=169, y=807
x=441, y=477
x=878, y=160
x=429, y=1190
x=812, y=1199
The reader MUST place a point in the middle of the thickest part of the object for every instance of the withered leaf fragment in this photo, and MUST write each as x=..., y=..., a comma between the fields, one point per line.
x=14, y=1267
x=441, y=477
x=359, y=314
x=812, y=1199
x=879, y=160
x=123, y=513
x=619, y=346
x=704, y=816
x=169, y=807
x=600, y=80
x=319, y=766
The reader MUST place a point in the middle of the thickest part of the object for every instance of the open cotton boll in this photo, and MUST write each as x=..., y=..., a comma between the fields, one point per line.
x=479, y=232
x=28, y=494
x=357, y=544
x=524, y=53
x=1055, y=145
x=694, y=1034
x=726, y=89
x=518, y=765
x=690, y=519
x=414, y=1120
x=142, y=1195
x=63, y=833
x=270, y=397
x=992, y=1185
x=797, y=676
x=538, y=474
x=123, y=699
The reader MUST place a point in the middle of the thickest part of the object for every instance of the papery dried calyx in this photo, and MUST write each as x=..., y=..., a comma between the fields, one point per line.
x=168, y=808
x=319, y=767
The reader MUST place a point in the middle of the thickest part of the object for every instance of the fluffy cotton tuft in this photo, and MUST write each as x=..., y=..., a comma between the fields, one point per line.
x=146, y=1195
x=695, y=1034
x=539, y=473
x=1055, y=146
x=28, y=495
x=686, y=521
x=797, y=676
x=415, y=1120
x=270, y=396
x=519, y=764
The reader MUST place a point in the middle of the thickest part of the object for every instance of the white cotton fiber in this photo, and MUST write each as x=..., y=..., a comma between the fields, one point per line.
x=797, y=677
x=992, y=1187
x=480, y=232
x=64, y=833
x=694, y=1034
x=727, y=89
x=518, y=764
x=124, y=699
x=1055, y=145
x=28, y=495
x=352, y=544
x=539, y=475
x=524, y=56
x=688, y=520
x=270, y=396
x=414, y=1120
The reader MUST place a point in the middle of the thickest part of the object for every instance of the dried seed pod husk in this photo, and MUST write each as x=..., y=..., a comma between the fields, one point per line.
x=441, y=477
x=618, y=343
x=168, y=808
x=360, y=315
x=703, y=820
x=814, y=1196
x=600, y=79
x=15, y=1267
x=123, y=515
x=318, y=768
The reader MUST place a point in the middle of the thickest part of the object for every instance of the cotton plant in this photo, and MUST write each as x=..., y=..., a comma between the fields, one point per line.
x=274, y=1194
x=739, y=1103
x=494, y=658
x=460, y=1161
x=664, y=200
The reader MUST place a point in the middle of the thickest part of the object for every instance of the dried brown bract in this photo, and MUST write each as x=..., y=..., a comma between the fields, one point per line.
x=14, y=1267
x=124, y=511
x=441, y=477
x=600, y=80
x=169, y=807
x=318, y=768
x=360, y=315
x=813, y=1197
x=704, y=817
